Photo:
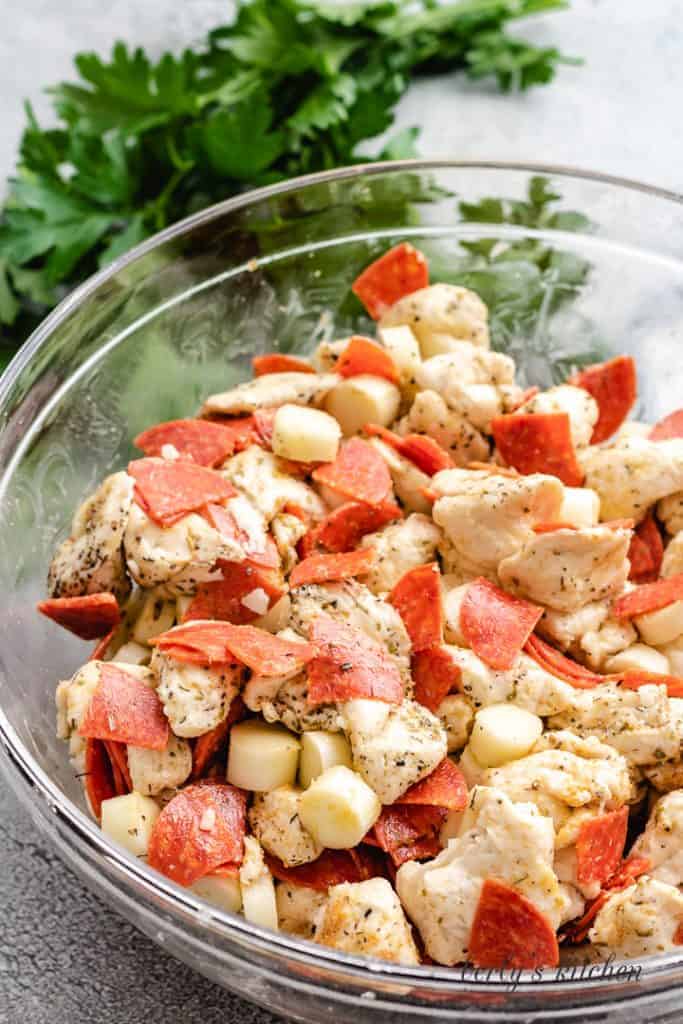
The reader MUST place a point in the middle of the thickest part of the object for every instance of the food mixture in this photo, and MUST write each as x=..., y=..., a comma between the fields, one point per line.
x=390, y=650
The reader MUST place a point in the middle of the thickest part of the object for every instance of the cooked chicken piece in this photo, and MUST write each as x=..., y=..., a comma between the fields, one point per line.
x=430, y=415
x=177, y=557
x=409, y=482
x=195, y=699
x=274, y=819
x=487, y=517
x=470, y=381
x=353, y=603
x=326, y=355
x=640, y=724
x=399, y=547
x=579, y=405
x=632, y=476
x=563, y=773
x=91, y=559
x=642, y=920
x=297, y=908
x=511, y=842
x=567, y=569
x=286, y=700
x=441, y=316
x=270, y=391
x=153, y=771
x=456, y=716
x=393, y=746
x=262, y=477
x=662, y=841
x=287, y=532
x=589, y=634
x=670, y=513
x=366, y=918
x=672, y=562
x=525, y=684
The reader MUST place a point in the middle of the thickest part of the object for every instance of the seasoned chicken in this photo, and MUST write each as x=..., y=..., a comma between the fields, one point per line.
x=274, y=819
x=469, y=379
x=672, y=562
x=195, y=699
x=366, y=917
x=270, y=391
x=579, y=405
x=589, y=634
x=263, y=478
x=567, y=569
x=410, y=483
x=440, y=316
x=429, y=414
x=511, y=842
x=632, y=476
x=526, y=684
x=642, y=920
x=91, y=559
x=153, y=771
x=456, y=716
x=393, y=746
x=297, y=908
x=399, y=547
x=662, y=841
x=670, y=513
x=487, y=517
x=286, y=700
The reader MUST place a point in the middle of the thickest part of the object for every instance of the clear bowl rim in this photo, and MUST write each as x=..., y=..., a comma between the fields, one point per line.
x=179, y=902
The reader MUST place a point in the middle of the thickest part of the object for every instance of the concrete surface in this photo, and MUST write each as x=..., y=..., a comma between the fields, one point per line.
x=64, y=957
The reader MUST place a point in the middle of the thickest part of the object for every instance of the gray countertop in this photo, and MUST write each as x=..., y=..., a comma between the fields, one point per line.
x=64, y=956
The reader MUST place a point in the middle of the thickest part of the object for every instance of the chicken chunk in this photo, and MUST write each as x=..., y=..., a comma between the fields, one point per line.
x=672, y=562
x=589, y=634
x=662, y=841
x=429, y=414
x=670, y=512
x=287, y=532
x=366, y=918
x=470, y=379
x=177, y=557
x=440, y=316
x=638, y=723
x=297, y=908
x=579, y=405
x=456, y=716
x=274, y=819
x=632, y=476
x=262, y=477
x=409, y=481
x=270, y=391
x=355, y=604
x=642, y=920
x=400, y=547
x=393, y=746
x=487, y=517
x=567, y=569
x=91, y=559
x=285, y=700
x=511, y=842
x=195, y=699
x=153, y=771
x=525, y=684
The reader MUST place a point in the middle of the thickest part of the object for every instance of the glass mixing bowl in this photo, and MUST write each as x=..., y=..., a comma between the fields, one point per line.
x=595, y=270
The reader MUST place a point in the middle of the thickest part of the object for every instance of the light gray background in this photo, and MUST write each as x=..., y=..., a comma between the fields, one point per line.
x=64, y=957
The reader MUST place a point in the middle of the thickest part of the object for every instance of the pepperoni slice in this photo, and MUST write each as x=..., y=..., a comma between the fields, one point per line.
x=207, y=745
x=445, y=787
x=125, y=709
x=508, y=930
x=118, y=757
x=671, y=426
x=278, y=362
x=496, y=625
x=221, y=643
x=649, y=597
x=264, y=422
x=359, y=472
x=538, y=443
x=332, y=867
x=558, y=665
x=89, y=617
x=361, y=356
x=206, y=443
x=525, y=397
x=99, y=778
x=633, y=680
x=260, y=550
x=167, y=490
x=398, y=272
x=646, y=551
x=554, y=527
x=348, y=664
x=101, y=648
x=324, y=568
x=242, y=429
x=423, y=451
x=435, y=675
x=409, y=833
x=199, y=830
x=417, y=599
x=614, y=387
x=343, y=528
x=631, y=869
x=223, y=599
x=599, y=846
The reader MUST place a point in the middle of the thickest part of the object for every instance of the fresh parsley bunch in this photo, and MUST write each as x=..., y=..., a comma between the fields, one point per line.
x=288, y=87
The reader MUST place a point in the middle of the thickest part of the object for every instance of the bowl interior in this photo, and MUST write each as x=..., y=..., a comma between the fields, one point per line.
x=569, y=280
